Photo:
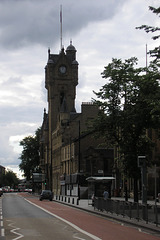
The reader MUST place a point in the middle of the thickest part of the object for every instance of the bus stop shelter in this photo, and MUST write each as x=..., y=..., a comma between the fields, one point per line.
x=97, y=185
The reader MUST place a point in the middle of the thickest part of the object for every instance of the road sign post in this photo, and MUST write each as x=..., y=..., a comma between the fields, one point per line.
x=142, y=165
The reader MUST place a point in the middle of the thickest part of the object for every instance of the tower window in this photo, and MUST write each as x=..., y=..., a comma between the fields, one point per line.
x=61, y=97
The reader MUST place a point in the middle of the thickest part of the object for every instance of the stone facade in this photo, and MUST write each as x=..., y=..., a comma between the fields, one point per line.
x=69, y=153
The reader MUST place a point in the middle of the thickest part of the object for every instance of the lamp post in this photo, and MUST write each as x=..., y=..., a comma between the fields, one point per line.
x=66, y=124
x=79, y=146
x=79, y=154
x=142, y=165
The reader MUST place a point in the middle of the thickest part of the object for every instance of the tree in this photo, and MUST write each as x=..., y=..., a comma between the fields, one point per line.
x=156, y=51
x=9, y=179
x=30, y=154
x=129, y=104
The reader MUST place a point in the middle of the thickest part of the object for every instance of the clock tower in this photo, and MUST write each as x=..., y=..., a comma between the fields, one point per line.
x=67, y=145
x=61, y=79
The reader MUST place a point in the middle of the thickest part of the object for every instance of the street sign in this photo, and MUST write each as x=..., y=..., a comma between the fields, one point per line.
x=141, y=161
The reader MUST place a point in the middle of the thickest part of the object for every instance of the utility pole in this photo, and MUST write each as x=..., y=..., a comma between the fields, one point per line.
x=142, y=165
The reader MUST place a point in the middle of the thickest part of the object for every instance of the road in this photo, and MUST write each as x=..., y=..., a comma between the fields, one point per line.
x=23, y=220
x=25, y=217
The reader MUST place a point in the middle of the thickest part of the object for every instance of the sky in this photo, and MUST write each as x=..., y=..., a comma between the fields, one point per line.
x=99, y=30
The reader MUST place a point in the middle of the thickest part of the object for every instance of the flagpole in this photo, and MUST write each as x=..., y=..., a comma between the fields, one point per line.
x=61, y=25
x=146, y=57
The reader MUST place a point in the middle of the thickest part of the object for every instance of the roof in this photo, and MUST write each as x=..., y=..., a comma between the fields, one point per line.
x=71, y=47
x=96, y=179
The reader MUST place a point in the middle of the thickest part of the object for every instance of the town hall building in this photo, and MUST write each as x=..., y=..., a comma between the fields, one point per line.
x=69, y=152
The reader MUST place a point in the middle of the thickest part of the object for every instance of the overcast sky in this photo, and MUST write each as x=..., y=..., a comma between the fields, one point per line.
x=100, y=30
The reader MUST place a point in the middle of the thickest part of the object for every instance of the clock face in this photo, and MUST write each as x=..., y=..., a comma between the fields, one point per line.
x=62, y=69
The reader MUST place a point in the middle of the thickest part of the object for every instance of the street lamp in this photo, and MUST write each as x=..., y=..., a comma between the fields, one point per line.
x=79, y=153
x=66, y=124
x=142, y=165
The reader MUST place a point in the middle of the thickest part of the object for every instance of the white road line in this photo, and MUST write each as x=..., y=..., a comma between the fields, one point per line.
x=19, y=234
x=14, y=231
x=69, y=223
x=1, y=220
x=78, y=237
x=2, y=232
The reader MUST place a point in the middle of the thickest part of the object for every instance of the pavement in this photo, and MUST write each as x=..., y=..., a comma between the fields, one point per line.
x=85, y=204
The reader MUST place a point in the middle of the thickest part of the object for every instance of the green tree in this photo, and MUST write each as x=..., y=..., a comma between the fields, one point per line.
x=129, y=104
x=9, y=179
x=30, y=154
x=151, y=29
x=2, y=180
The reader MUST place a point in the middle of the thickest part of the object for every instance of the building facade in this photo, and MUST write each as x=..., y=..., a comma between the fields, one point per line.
x=68, y=151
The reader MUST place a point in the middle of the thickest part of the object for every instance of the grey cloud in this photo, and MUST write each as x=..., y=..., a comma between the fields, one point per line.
x=30, y=113
x=6, y=151
x=24, y=22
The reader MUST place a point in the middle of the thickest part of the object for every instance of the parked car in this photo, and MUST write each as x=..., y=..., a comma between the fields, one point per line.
x=1, y=192
x=46, y=194
x=29, y=190
x=11, y=190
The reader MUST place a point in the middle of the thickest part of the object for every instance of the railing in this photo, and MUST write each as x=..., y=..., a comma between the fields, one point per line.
x=147, y=212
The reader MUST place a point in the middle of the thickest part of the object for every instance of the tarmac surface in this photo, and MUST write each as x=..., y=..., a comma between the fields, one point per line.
x=85, y=205
x=98, y=223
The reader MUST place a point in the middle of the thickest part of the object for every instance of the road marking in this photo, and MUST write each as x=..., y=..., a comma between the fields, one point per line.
x=2, y=232
x=78, y=237
x=19, y=234
x=1, y=220
x=69, y=223
x=14, y=230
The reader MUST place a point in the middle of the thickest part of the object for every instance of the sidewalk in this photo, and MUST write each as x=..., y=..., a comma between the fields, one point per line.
x=84, y=205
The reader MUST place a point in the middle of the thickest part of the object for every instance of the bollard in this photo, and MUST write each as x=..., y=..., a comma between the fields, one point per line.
x=77, y=201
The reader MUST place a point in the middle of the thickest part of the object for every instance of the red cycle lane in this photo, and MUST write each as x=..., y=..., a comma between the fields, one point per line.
x=96, y=225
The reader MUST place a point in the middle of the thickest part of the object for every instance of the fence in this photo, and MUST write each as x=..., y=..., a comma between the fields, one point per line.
x=147, y=212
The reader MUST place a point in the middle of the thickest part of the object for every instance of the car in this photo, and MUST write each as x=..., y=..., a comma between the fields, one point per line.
x=1, y=192
x=11, y=190
x=46, y=194
x=29, y=190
